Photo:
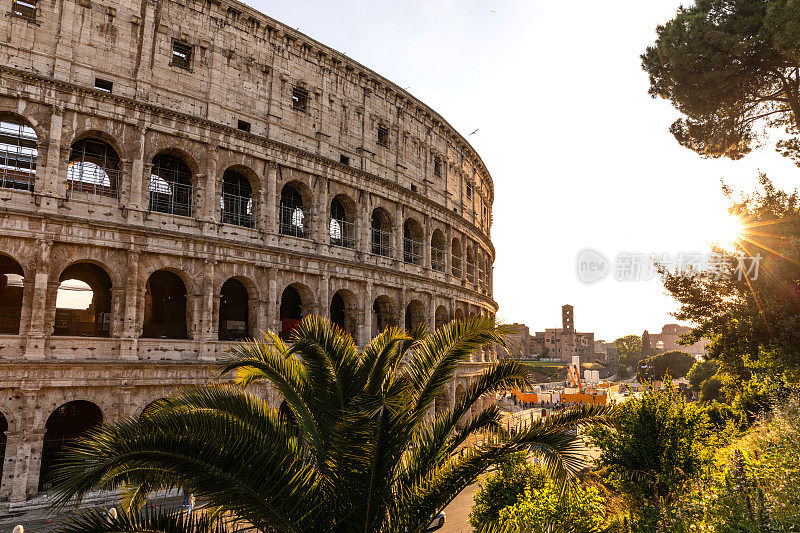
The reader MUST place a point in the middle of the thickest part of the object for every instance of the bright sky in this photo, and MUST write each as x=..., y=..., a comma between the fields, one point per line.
x=579, y=153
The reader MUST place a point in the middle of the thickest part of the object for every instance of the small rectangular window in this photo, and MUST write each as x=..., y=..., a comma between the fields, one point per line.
x=25, y=9
x=469, y=191
x=343, y=159
x=244, y=126
x=413, y=188
x=103, y=85
x=181, y=54
x=383, y=136
x=300, y=99
x=437, y=167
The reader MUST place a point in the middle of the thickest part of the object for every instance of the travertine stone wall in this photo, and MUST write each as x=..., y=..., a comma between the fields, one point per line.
x=244, y=67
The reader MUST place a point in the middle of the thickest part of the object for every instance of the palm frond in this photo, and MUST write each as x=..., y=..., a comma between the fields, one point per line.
x=149, y=520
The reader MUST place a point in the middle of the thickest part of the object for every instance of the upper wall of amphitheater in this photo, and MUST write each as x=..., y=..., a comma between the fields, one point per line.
x=246, y=70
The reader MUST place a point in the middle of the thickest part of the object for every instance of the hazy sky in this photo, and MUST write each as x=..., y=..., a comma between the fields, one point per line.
x=579, y=153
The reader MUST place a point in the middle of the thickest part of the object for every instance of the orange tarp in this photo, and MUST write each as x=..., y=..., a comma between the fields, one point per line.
x=583, y=398
x=526, y=396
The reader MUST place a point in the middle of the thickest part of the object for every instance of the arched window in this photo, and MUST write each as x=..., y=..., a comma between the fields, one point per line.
x=442, y=317
x=455, y=252
x=234, y=305
x=64, y=425
x=171, y=189
x=342, y=311
x=236, y=204
x=442, y=402
x=292, y=216
x=342, y=229
x=165, y=307
x=291, y=311
x=415, y=314
x=459, y=315
x=412, y=242
x=11, y=287
x=94, y=168
x=18, y=153
x=383, y=314
x=470, y=264
x=438, y=251
x=381, y=233
x=83, y=302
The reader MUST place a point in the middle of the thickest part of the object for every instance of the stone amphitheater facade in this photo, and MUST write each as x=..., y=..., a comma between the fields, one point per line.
x=207, y=173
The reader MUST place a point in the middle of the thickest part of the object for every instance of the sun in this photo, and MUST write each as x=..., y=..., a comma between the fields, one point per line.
x=725, y=231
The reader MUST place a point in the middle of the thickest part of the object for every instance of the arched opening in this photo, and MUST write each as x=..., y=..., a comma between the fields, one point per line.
x=292, y=215
x=236, y=204
x=64, y=425
x=415, y=314
x=441, y=317
x=83, y=302
x=18, y=153
x=383, y=314
x=343, y=312
x=164, y=307
x=381, y=233
x=342, y=229
x=11, y=288
x=481, y=261
x=412, y=242
x=94, y=168
x=3, y=440
x=470, y=264
x=291, y=311
x=438, y=250
x=234, y=303
x=171, y=189
x=460, y=393
x=442, y=402
x=455, y=252
x=459, y=314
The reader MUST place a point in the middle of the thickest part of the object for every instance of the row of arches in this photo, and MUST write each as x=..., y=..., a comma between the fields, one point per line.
x=95, y=167
x=84, y=306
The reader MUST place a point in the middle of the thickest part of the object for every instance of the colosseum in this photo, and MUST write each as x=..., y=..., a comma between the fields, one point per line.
x=178, y=174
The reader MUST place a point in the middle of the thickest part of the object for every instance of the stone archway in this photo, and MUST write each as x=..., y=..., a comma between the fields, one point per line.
x=68, y=422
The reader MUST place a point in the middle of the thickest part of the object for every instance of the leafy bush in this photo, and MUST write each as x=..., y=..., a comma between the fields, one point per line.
x=503, y=488
x=675, y=364
x=546, y=509
x=657, y=447
x=701, y=371
x=711, y=390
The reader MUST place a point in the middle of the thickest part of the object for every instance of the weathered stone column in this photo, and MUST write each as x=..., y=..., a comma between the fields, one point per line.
x=324, y=296
x=271, y=191
x=426, y=246
x=448, y=252
x=397, y=253
x=401, y=319
x=322, y=211
x=273, y=302
x=117, y=326
x=139, y=179
x=366, y=323
x=48, y=176
x=364, y=225
x=34, y=348
x=9, y=461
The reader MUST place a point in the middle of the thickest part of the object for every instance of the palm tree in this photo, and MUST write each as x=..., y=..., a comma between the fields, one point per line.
x=355, y=447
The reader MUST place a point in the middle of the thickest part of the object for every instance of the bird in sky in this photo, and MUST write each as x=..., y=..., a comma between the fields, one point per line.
x=474, y=132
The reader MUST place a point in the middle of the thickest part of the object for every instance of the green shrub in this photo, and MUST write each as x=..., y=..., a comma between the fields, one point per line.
x=675, y=364
x=548, y=509
x=701, y=371
x=711, y=390
x=503, y=488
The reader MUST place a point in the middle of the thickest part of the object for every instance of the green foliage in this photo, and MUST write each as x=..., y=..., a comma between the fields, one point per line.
x=755, y=484
x=711, y=390
x=629, y=349
x=752, y=322
x=654, y=450
x=548, y=508
x=730, y=66
x=701, y=371
x=503, y=488
x=675, y=364
x=352, y=448
x=647, y=346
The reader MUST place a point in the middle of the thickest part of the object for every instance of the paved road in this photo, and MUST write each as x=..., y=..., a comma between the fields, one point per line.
x=458, y=512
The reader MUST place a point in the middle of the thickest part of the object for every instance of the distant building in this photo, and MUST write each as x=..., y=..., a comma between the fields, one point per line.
x=520, y=342
x=605, y=351
x=668, y=339
x=563, y=343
